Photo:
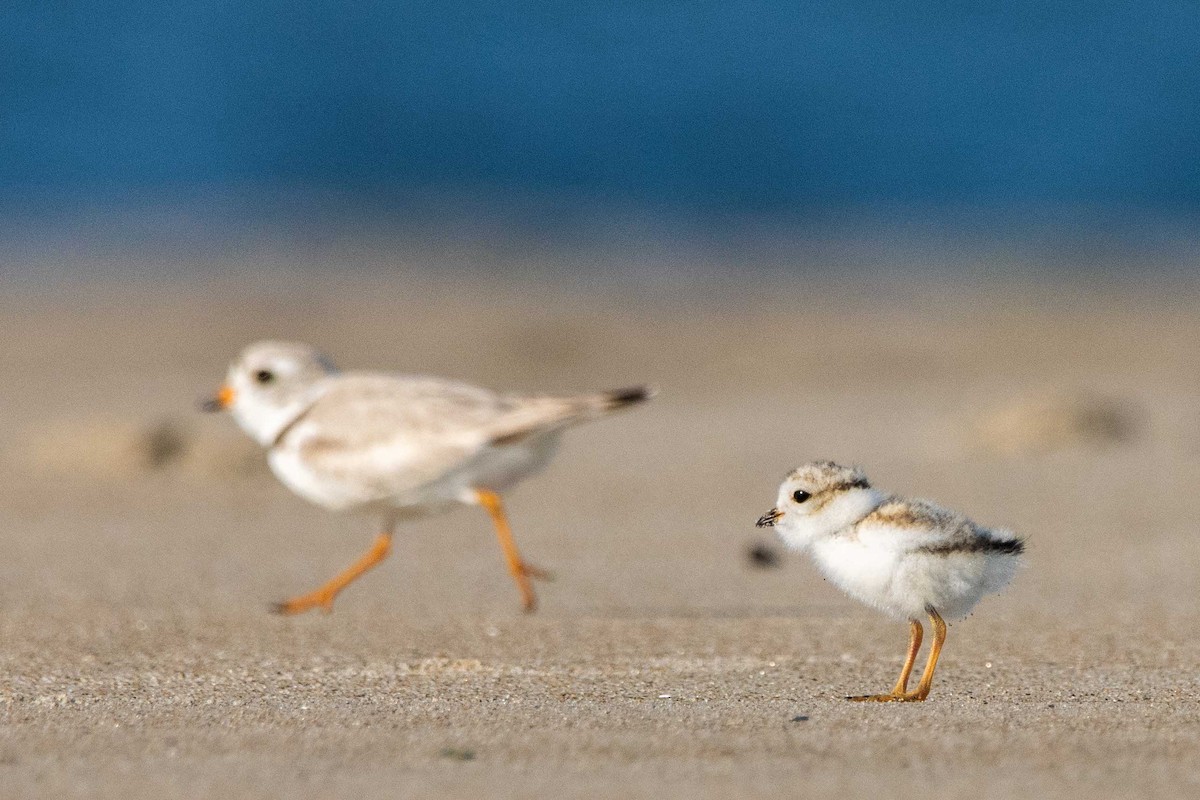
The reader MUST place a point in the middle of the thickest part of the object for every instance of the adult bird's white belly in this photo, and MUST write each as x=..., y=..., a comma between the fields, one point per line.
x=383, y=480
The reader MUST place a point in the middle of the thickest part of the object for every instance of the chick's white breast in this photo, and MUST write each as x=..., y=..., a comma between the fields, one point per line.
x=862, y=571
x=910, y=554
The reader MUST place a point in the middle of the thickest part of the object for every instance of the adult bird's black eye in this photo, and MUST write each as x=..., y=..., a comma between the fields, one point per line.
x=264, y=376
x=800, y=495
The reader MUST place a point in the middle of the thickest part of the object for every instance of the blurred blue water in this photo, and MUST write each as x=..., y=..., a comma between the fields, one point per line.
x=759, y=106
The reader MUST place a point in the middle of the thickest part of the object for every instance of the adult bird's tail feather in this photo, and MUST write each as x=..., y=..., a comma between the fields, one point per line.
x=546, y=413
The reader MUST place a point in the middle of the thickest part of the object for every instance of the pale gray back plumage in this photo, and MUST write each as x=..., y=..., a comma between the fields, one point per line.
x=398, y=432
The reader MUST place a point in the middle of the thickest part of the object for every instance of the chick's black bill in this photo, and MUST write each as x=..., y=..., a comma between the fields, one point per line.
x=769, y=519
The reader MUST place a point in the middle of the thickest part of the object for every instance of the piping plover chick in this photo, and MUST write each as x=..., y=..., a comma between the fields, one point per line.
x=908, y=558
x=396, y=446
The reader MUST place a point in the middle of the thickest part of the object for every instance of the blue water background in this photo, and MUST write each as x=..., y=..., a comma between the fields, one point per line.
x=1073, y=112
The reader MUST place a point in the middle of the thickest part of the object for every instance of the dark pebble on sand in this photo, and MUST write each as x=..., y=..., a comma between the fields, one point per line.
x=762, y=557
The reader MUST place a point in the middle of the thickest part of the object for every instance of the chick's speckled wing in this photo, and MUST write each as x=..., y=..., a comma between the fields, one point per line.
x=921, y=524
x=392, y=434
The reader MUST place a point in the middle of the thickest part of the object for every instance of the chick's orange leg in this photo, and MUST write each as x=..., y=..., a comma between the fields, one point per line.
x=935, y=650
x=323, y=598
x=901, y=688
x=914, y=647
x=517, y=567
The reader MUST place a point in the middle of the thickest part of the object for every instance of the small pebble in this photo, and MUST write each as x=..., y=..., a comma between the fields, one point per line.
x=457, y=753
x=762, y=556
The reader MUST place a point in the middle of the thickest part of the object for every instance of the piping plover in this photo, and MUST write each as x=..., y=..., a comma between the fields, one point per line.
x=396, y=446
x=905, y=557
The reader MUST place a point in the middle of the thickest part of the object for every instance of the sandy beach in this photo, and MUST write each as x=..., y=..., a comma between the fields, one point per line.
x=143, y=542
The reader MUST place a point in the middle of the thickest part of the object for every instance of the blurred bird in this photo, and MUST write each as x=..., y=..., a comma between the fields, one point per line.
x=396, y=446
x=908, y=558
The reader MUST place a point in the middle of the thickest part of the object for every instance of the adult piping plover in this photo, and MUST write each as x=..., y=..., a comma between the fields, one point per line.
x=397, y=446
x=905, y=557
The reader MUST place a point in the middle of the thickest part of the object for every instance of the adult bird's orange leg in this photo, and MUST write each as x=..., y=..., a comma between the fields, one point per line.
x=898, y=693
x=939, y=637
x=520, y=571
x=323, y=598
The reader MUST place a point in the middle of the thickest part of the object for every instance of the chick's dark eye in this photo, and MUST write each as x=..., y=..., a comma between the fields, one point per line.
x=264, y=376
x=800, y=495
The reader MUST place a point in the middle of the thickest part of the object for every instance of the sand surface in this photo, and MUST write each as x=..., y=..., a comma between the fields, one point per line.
x=142, y=543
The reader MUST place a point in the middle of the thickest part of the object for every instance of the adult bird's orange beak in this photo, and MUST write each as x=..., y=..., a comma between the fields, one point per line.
x=221, y=402
x=769, y=519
